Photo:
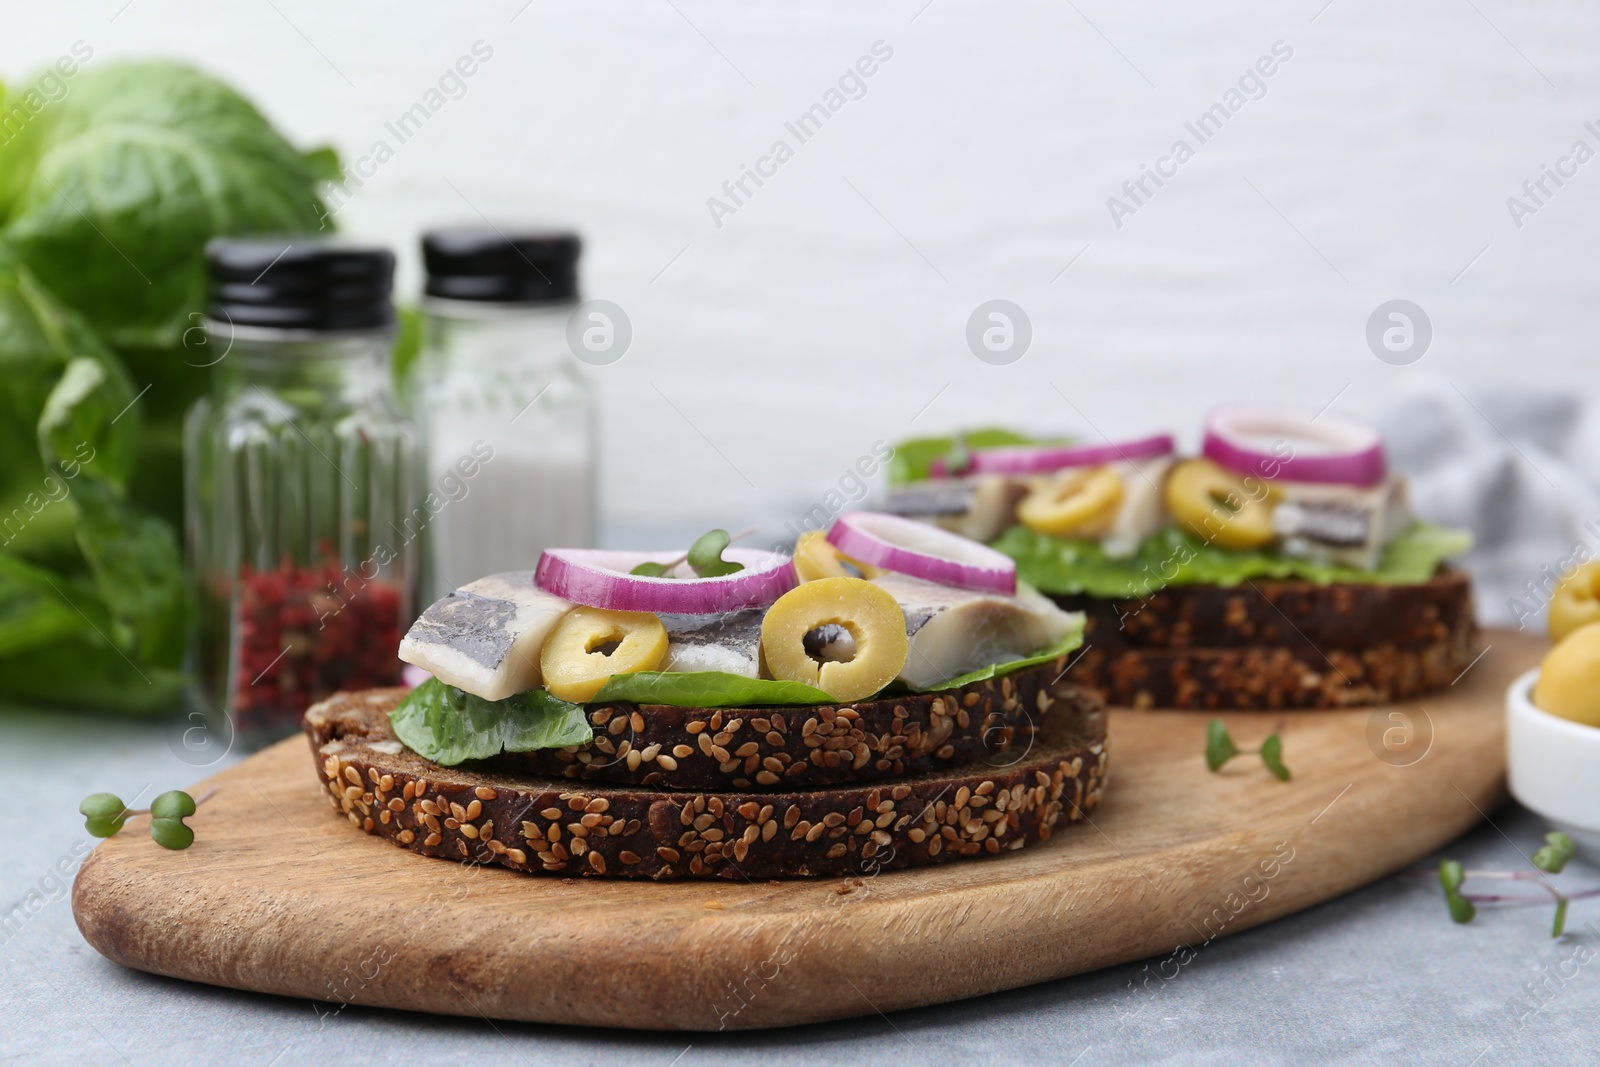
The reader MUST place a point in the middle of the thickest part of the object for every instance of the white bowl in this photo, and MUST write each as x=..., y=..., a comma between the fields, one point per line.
x=1553, y=766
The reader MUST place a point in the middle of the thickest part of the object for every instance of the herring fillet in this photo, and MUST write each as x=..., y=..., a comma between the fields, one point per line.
x=1143, y=510
x=729, y=642
x=1344, y=525
x=978, y=506
x=953, y=631
x=485, y=637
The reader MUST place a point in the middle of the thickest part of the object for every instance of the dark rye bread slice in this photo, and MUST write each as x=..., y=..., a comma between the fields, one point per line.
x=546, y=825
x=1340, y=615
x=1269, y=677
x=1276, y=644
x=798, y=747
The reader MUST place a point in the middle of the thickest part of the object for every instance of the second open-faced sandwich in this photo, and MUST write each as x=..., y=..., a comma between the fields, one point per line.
x=890, y=695
x=1283, y=567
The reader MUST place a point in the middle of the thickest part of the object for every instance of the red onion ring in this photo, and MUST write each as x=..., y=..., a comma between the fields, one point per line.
x=922, y=551
x=599, y=578
x=412, y=676
x=1323, y=448
x=1033, y=459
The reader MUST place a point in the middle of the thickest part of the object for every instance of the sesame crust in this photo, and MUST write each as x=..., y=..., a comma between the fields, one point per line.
x=787, y=748
x=544, y=825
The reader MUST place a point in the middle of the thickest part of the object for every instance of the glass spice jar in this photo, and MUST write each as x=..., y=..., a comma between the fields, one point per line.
x=507, y=416
x=303, y=483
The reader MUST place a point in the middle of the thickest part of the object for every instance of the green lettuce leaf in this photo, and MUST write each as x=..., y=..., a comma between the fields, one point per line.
x=705, y=689
x=441, y=723
x=67, y=456
x=323, y=163
x=1173, y=557
x=1068, y=644
x=38, y=339
x=79, y=431
x=134, y=557
x=88, y=671
x=110, y=193
x=36, y=607
x=913, y=459
x=138, y=570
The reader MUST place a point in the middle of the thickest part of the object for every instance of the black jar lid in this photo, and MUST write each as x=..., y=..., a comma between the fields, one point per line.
x=501, y=266
x=300, y=283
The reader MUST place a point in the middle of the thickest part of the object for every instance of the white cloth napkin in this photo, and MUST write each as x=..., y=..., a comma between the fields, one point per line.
x=1517, y=464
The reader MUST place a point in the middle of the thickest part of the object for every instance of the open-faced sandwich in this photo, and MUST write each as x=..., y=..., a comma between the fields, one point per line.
x=1282, y=568
x=890, y=698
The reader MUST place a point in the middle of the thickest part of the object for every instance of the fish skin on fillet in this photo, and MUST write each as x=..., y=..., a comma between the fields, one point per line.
x=485, y=637
x=953, y=631
x=730, y=642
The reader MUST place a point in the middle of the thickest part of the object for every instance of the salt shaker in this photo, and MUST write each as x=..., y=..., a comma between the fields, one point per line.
x=507, y=417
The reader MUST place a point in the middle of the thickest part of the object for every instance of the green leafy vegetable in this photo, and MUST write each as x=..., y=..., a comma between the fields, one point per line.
x=1558, y=850
x=93, y=611
x=323, y=163
x=913, y=460
x=1220, y=748
x=138, y=571
x=959, y=458
x=705, y=555
x=34, y=607
x=441, y=723
x=107, y=198
x=38, y=338
x=105, y=815
x=1173, y=557
x=1451, y=876
x=705, y=689
x=1219, y=745
x=1069, y=643
x=76, y=431
x=89, y=670
x=167, y=813
x=112, y=192
x=407, y=345
x=1272, y=756
x=133, y=557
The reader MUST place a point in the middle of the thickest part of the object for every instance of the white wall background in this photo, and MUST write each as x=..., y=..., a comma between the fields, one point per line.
x=820, y=318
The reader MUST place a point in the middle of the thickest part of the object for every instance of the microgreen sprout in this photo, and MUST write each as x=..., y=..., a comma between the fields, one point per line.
x=959, y=458
x=1220, y=748
x=704, y=557
x=1451, y=875
x=104, y=815
x=1558, y=849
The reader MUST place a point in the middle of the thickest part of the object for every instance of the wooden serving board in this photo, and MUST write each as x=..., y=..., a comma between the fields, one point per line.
x=280, y=894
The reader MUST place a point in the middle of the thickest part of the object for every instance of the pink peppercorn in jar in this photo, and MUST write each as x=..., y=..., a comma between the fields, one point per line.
x=303, y=483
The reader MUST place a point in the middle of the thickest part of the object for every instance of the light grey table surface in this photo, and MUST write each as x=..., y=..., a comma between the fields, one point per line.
x=1378, y=976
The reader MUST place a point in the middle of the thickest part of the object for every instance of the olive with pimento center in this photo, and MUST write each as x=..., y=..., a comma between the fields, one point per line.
x=844, y=636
